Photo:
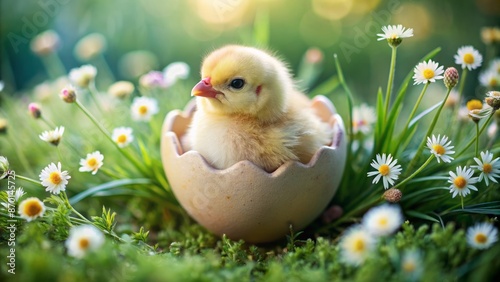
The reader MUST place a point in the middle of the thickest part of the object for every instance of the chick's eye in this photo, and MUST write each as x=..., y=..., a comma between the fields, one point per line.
x=237, y=83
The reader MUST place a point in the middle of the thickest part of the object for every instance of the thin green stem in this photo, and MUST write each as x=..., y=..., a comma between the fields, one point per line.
x=104, y=66
x=106, y=133
x=461, y=86
x=29, y=180
x=59, y=154
x=20, y=155
x=54, y=65
x=412, y=114
x=48, y=122
x=415, y=172
x=350, y=105
x=429, y=132
x=96, y=123
x=483, y=127
x=93, y=94
x=110, y=173
x=390, y=81
x=477, y=140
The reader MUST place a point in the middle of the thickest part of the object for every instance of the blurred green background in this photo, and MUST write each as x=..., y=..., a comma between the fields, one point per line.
x=177, y=30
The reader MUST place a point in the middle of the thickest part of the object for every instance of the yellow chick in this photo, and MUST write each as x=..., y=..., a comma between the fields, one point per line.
x=249, y=109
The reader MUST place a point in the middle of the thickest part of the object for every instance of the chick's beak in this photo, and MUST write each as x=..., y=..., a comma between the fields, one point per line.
x=204, y=89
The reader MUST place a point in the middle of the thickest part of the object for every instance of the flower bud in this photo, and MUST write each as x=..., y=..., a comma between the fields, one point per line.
x=4, y=167
x=489, y=34
x=34, y=110
x=82, y=76
x=450, y=77
x=393, y=195
x=45, y=43
x=475, y=115
x=68, y=94
x=90, y=46
x=493, y=99
x=152, y=79
x=121, y=89
x=3, y=125
x=314, y=56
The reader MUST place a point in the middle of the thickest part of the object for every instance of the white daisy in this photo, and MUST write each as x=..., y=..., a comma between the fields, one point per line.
x=468, y=57
x=363, y=118
x=383, y=220
x=143, y=108
x=19, y=193
x=53, y=136
x=441, y=148
x=122, y=136
x=54, y=179
x=4, y=167
x=427, y=72
x=482, y=236
x=83, y=75
x=489, y=78
x=395, y=32
x=411, y=264
x=175, y=71
x=92, y=162
x=461, y=182
x=386, y=169
x=356, y=245
x=489, y=167
x=82, y=239
x=495, y=65
x=31, y=208
x=121, y=89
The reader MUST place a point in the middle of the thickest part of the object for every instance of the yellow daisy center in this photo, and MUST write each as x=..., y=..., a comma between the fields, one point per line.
x=493, y=82
x=438, y=149
x=382, y=221
x=409, y=266
x=32, y=208
x=143, y=109
x=55, y=177
x=428, y=73
x=121, y=138
x=474, y=104
x=468, y=58
x=480, y=238
x=84, y=243
x=359, y=245
x=384, y=169
x=460, y=182
x=92, y=162
x=487, y=168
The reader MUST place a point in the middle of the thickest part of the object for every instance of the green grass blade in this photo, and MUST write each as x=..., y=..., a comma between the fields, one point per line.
x=422, y=216
x=108, y=186
x=325, y=88
x=424, y=113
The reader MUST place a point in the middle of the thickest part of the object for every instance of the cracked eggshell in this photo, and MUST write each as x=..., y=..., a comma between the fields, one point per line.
x=244, y=201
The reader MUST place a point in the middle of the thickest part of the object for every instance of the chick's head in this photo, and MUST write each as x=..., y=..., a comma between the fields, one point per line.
x=243, y=80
